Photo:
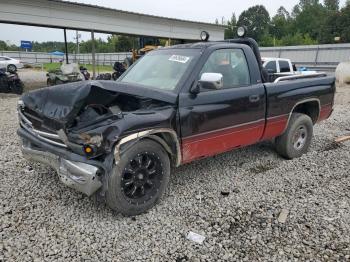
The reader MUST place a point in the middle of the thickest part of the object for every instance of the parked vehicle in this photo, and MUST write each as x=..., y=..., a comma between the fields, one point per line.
x=10, y=64
x=84, y=72
x=279, y=67
x=10, y=82
x=104, y=76
x=176, y=105
x=67, y=73
x=119, y=69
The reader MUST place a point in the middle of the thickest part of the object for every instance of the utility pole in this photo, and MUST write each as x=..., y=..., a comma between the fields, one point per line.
x=66, y=45
x=77, y=52
x=93, y=55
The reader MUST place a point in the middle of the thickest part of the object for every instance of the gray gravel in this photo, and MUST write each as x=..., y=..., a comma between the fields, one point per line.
x=43, y=220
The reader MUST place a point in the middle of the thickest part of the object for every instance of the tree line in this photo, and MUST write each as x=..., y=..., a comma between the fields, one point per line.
x=310, y=22
x=114, y=43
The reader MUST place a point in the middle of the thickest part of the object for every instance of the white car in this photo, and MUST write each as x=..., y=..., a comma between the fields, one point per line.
x=10, y=64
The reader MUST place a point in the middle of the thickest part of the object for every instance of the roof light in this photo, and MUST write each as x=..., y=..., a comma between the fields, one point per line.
x=241, y=31
x=204, y=36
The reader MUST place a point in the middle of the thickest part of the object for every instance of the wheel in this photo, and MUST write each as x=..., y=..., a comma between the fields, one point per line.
x=58, y=82
x=115, y=76
x=11, y=68
x=140, y=178
x=48, y=82
x=18, y=87
x=297, y=138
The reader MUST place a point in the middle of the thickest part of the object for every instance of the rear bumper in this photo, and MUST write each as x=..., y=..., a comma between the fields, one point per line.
x=73, y=170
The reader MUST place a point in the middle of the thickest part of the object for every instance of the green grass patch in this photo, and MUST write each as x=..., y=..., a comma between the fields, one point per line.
x=99, y=68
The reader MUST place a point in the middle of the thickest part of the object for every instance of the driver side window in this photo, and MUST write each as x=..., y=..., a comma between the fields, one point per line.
x=232, y=64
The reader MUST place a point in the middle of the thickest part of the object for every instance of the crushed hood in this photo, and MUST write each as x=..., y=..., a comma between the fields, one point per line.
x=63, y=102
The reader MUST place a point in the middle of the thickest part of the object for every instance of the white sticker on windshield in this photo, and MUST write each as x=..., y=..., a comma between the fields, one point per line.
x=179, y=58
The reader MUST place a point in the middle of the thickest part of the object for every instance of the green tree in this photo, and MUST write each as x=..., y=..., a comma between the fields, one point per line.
x=310, y=19
x=280, y=23
x=343, y=23
x=257, y=20
x=230, y=31
x=332, y=5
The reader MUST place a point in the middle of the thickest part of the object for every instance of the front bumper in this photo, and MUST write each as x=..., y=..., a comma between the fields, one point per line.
x=72, y=170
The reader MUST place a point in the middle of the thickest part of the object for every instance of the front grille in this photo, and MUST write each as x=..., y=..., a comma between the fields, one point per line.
x=32, y=123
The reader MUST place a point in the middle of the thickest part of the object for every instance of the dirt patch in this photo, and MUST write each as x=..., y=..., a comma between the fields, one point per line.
x=331, y=146
x=262, y=168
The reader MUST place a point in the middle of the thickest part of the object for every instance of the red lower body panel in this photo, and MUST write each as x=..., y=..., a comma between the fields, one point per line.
x=219, y=141
x=326, y=111
x=275, y=126
x=222, y=140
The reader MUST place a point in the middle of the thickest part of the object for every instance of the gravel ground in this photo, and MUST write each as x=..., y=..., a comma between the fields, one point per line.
x=43, y=220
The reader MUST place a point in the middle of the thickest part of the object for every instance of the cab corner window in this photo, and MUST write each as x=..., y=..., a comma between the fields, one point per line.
x=284, y=66
x=232, y=64
x=271, y=67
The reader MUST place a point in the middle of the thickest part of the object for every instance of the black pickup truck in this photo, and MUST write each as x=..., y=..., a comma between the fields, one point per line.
x=178, y=104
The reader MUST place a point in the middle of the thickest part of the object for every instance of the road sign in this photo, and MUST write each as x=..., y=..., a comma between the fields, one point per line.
x=26, y=44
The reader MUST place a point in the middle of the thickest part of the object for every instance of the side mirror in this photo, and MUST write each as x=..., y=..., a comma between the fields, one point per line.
x=211, y=81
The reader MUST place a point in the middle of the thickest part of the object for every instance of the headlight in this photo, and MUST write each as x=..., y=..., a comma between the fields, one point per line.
x=204, y=36
x=241, y=31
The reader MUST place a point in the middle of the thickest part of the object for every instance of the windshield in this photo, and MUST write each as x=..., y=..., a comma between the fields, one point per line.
x=161, y=69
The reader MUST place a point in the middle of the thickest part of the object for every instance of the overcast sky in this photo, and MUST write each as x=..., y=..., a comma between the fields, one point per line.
x=204, y=11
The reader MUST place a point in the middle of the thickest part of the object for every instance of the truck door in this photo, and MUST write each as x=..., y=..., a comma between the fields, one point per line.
x=215, y=121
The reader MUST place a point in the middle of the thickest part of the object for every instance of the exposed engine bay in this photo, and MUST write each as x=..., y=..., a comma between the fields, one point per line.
x=89, y=115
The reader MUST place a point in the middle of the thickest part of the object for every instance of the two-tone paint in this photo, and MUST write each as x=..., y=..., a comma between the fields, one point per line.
x=198, y=124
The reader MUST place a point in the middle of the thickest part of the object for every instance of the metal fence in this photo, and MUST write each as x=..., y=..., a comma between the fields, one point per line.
x=41, y=58
x=325, y=57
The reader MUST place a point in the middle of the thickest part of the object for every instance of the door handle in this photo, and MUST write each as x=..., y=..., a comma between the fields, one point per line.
x=254, y=98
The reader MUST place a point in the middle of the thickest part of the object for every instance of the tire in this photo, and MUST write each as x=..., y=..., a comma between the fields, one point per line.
x=49, y=82
x=145, y=165
x=115, y=76
x=58, y=82
x=11, y=68
x=297, y=138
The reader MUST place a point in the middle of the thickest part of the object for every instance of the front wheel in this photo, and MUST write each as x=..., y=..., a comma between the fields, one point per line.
x=297, y=138
x=140, y=178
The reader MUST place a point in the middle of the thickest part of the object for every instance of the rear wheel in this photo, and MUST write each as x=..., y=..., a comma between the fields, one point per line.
x=139, y=179
x=11, y=68
x=297, y=138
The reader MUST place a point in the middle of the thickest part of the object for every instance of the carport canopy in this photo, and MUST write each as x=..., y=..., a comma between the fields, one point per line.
x=83, y=17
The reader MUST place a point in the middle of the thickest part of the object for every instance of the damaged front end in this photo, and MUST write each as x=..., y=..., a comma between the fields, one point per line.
x=80, y=129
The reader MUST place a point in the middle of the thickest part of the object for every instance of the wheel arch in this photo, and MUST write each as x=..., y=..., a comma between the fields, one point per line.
x=310, y=107
x=166, y=137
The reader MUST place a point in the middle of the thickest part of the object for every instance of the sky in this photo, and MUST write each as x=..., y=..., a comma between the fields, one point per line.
x=203, y=11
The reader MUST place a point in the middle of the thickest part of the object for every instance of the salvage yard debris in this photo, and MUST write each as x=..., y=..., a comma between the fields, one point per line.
x=342, y=139
x=199, y=239
x=282, y=218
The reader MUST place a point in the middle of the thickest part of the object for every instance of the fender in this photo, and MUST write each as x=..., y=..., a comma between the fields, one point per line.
x=152, y=134
x=303, y=102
